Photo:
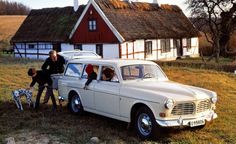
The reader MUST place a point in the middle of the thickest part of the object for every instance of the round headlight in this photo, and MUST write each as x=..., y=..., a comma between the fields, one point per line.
x=214, y=100
x=169, y=104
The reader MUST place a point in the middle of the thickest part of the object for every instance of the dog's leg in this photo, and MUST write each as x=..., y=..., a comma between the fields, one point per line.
x=21, y=108
x=15, y=98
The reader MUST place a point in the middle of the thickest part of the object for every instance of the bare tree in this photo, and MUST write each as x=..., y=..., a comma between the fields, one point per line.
x=218, y=18
x=13, y=8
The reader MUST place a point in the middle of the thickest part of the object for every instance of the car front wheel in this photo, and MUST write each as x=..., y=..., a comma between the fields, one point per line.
x=75, y=104
x=145, y=124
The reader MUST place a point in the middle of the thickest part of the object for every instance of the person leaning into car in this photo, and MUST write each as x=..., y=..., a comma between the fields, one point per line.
x=91, y=75
x=54, y=64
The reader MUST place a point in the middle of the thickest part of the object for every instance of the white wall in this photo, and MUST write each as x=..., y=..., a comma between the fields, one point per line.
x=139, y=49
x=157, y=53
x=171, y=55
x=67, y=47
x=194, y=50
x=109, y=50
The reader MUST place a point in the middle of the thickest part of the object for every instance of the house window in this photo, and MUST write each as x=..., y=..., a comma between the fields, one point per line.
x=188, y=44
x=99, y=49
x=78, y=47
x=92, y=25
x=31, y=46
x=165, y=45
x=175, y=43
x=148, y=47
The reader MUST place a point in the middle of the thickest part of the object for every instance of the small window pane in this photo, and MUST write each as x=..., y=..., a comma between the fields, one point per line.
x=31, y=46
x=148, y=47
x=92, y=25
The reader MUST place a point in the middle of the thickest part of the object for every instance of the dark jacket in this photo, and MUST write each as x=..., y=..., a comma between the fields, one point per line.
x=54, y=67
x=91, y=77
x=41, y=78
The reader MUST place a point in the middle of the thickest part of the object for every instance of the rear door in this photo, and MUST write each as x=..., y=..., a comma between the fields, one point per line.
x=107, y=94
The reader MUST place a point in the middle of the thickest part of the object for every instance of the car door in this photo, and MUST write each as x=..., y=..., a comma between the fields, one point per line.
x=107, y=95
x=88, y=93
x=70, y=79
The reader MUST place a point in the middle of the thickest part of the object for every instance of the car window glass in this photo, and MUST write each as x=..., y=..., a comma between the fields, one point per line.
x=108, y=74
x=132, y=72
x=95, y=69
x=74, y=70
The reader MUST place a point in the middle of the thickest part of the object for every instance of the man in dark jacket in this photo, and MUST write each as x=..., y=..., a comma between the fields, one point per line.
x=55, y=63
x=44, y=80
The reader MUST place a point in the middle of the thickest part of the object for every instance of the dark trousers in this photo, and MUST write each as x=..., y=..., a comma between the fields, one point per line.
x=49, y=93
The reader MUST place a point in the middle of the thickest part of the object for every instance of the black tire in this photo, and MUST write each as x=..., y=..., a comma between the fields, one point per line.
x=145, y=124
x=75, y=105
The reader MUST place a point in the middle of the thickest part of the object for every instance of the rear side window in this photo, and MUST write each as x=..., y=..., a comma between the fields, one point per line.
x=74, y=70
x=95, y=69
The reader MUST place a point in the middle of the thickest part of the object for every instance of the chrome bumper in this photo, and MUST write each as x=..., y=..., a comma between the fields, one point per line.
x=186, y=121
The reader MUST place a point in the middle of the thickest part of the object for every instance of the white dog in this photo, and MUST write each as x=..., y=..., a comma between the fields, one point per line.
x=16, y=95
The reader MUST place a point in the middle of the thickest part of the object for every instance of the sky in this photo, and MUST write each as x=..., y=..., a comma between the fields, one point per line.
x=38, y=4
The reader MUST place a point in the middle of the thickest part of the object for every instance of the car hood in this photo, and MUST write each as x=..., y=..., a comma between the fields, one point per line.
x=168, y=89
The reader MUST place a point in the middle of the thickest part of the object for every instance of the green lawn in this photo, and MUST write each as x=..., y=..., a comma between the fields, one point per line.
x=63, y=127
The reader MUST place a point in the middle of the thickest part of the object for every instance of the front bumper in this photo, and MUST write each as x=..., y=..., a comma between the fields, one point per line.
x=186, y=121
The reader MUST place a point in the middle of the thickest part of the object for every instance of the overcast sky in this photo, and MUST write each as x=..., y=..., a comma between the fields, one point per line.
x=38, y=4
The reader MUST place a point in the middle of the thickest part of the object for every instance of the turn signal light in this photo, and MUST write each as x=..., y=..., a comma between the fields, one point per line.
x=162, y=114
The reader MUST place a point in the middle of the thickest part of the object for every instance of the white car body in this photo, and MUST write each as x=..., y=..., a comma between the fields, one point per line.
x=192, y=106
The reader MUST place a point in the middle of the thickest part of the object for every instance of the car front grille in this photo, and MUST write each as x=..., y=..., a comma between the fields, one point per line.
x=188, y=108
x=183, y=109
x=203, y=106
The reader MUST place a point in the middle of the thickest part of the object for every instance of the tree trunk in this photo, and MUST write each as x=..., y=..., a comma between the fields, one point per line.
x=224, y=43
x=216, y=48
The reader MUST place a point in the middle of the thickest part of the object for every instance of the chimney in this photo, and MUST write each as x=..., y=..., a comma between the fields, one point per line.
x=155, y=1
x=129, y=1
x=76, y=5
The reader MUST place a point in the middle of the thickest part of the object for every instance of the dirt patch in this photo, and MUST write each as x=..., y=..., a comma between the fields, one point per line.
x=31, y=137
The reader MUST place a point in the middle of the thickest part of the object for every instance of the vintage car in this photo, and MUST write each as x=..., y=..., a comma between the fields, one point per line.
x=139, y=93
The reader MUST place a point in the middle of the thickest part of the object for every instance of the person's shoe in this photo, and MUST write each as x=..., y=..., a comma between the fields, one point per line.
x=54, y=108
x=45, y=102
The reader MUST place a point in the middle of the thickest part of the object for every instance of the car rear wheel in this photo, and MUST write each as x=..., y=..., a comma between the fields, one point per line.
x=145, y=124
x=75, y=104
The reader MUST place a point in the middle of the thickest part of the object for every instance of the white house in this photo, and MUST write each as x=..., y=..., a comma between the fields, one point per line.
x=114, y=29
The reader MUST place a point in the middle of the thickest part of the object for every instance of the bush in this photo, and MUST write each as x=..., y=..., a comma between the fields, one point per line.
x=226, y=67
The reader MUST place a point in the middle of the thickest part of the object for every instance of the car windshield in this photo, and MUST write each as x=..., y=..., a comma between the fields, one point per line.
x=146, y=71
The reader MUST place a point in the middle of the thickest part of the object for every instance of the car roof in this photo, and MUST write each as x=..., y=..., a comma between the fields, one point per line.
x=117, y=62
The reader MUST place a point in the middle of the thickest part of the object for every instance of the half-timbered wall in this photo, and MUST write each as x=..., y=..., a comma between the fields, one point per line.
x=136, y=49
x=38, y=50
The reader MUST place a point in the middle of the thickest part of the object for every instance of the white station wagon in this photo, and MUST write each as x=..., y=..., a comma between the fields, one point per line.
x=139, y=93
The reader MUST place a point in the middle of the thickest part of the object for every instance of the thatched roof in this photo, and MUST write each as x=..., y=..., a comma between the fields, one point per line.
x=138, y=20
x=48, y=25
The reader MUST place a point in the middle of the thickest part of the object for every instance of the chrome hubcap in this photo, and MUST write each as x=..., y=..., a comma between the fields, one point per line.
x=76, y=104
x=144, y=124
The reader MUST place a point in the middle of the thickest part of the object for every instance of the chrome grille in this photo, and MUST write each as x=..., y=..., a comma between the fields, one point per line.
x=203, y=106
x=183, y=109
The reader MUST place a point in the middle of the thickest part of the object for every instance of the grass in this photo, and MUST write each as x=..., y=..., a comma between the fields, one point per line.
x=8, y=27
x=64, y=127
x=225, y=64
